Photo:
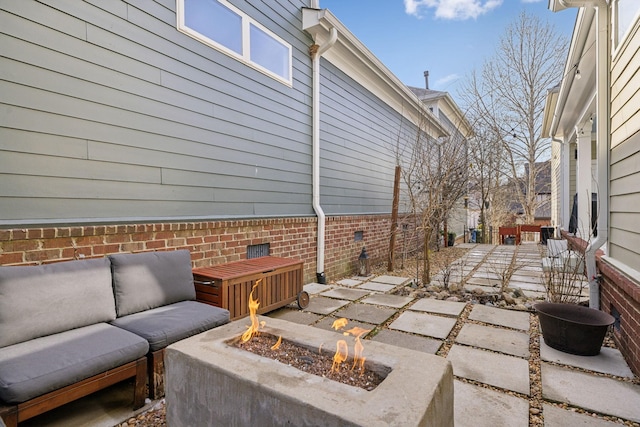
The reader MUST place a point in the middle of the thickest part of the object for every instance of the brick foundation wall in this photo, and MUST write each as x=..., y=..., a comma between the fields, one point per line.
x=620, y=294
x=210, y=243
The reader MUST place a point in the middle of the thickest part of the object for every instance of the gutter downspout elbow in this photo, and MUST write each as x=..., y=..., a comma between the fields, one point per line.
x=316, y=52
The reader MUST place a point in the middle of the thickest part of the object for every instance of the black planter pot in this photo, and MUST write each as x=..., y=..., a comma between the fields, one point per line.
x=573, y=328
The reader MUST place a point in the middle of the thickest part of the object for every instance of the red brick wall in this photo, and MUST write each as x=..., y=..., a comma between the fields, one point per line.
x=210, y=243
x=619, y=292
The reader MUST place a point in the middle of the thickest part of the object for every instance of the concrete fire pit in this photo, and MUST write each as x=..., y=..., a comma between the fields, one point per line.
x=209, y=382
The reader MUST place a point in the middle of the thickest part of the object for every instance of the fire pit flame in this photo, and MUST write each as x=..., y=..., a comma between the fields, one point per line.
x=339, y=323
x=277, y=344
x=342, y=351
x=255, y=326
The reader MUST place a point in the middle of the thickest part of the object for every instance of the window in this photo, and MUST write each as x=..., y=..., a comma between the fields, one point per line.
x=227, y=29
x=625, y=15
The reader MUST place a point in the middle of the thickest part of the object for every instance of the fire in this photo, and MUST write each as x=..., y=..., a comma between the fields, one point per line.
x=342, y=350
x=277, y=344
x=358, y=347
x=339, y=323
x=254, y=328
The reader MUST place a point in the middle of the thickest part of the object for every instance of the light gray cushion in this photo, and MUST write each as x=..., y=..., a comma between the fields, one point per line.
x=165, y=325
x=41, y=300
x=151, y=279
x=36, y=367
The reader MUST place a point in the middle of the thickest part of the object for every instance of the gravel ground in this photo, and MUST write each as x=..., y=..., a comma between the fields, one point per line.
x=155, y=417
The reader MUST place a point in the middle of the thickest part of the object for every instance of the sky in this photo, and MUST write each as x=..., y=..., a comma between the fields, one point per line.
x=450, y=38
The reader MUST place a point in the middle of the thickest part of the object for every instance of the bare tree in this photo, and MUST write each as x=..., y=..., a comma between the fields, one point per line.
x=508, y=99
x=434, y=174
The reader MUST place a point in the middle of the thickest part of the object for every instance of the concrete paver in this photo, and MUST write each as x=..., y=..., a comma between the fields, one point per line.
x=347, y=294
x=395, y=301
x=476, y=406
x=486, y=275
x=529, y=273
x=295, y=316
x=322, y=305
x=403, y=339
x=390, y=280
x=432, y=305
x=559, y=417
x=499, y=370
x=609, y=361
x=525, y=278
x=424, y=324
x=501, y=317
x=375, y=286
x=349, y=282
x=366, y=313
x=479, y=281
x=534, y=287
x=531, y=268
x=505, y=341
x=594, y=393
x=316, y=288
x=327, y=322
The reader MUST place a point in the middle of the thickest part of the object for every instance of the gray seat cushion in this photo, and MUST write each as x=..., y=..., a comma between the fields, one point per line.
x=151, y=279
x=41, y=300
x=41, y=365
x=171, y=323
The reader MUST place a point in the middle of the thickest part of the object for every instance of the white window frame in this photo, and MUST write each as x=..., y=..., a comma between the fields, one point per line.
x=245, y=56
x=619, y=40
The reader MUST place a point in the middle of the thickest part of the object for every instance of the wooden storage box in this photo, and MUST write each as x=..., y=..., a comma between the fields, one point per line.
x=229, y=285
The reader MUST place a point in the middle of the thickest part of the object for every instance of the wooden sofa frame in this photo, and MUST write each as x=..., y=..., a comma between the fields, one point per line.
x=12, y=415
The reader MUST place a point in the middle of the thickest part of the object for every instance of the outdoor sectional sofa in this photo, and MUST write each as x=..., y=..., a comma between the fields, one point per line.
x=71, y=328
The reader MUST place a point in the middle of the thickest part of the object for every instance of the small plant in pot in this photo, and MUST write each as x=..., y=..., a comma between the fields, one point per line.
x=567, y=325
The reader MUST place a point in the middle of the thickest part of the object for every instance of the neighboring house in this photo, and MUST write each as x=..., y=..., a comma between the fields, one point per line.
x=136, y=125
x=593, y=117
x=447, y=112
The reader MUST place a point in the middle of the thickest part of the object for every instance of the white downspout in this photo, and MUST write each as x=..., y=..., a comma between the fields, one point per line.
x=603, y=138
x=602, y=132
x=317, y=52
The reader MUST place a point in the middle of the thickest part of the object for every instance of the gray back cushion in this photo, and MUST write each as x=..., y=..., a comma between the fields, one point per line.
x=151, y=279
x=46, y=299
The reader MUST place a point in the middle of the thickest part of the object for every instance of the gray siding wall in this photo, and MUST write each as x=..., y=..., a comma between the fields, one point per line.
x=358, y=135
x=108, y=113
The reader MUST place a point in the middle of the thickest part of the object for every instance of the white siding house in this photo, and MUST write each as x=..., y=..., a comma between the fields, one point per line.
x=596, y=109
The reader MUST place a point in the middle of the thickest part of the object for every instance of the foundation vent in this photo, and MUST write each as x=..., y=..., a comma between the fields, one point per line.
x=256, y=251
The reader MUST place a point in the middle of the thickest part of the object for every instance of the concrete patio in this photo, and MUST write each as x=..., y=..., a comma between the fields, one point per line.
x=499, y=360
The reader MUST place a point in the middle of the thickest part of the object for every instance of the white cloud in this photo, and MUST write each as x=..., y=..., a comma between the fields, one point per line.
x=531, y=1
x=452, y=9
x=443, y=82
